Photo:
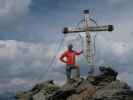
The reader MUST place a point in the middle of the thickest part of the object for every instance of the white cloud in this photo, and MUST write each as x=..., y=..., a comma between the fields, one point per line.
x=12, y=49
x=126, y=77
x=25, y=57
x=10, y=8
x=11, y=11
x=7, y=49
x=114, y=53
x=27, y=63
x=23, y=54
x=120, y=48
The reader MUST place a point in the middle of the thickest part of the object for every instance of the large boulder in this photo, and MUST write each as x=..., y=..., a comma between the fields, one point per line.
x=38, y=92
x=104, y=86
x=116, y=90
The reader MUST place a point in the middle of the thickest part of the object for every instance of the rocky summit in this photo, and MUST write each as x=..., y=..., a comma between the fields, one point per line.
x=105, y=86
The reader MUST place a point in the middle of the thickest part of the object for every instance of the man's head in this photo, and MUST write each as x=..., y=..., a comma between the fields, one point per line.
x=70, y=47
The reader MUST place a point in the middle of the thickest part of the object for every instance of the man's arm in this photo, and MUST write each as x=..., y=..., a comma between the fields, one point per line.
x=78, y=53
x=62, y=57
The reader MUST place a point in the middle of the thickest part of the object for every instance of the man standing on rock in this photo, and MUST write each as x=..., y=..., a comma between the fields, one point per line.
x=70, y=60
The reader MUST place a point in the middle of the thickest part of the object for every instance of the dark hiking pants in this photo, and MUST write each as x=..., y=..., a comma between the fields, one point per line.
x=68, y=71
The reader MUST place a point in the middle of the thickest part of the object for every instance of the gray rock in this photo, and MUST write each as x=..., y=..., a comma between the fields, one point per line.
x=38, y=92
x=39, y=96
x=116, y=90
x=102, y=87
x=24, y=96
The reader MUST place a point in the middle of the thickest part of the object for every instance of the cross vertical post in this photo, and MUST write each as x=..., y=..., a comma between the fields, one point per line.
x=89, y=50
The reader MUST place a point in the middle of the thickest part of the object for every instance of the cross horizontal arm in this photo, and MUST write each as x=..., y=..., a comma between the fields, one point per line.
x=67, y=30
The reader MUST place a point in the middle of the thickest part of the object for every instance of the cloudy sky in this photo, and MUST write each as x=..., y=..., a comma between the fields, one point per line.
x=30, y=31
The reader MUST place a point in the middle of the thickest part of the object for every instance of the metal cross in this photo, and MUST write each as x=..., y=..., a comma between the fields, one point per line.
x=87, y=28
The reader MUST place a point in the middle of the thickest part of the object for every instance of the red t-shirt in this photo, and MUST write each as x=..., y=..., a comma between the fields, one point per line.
x=70, y=57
